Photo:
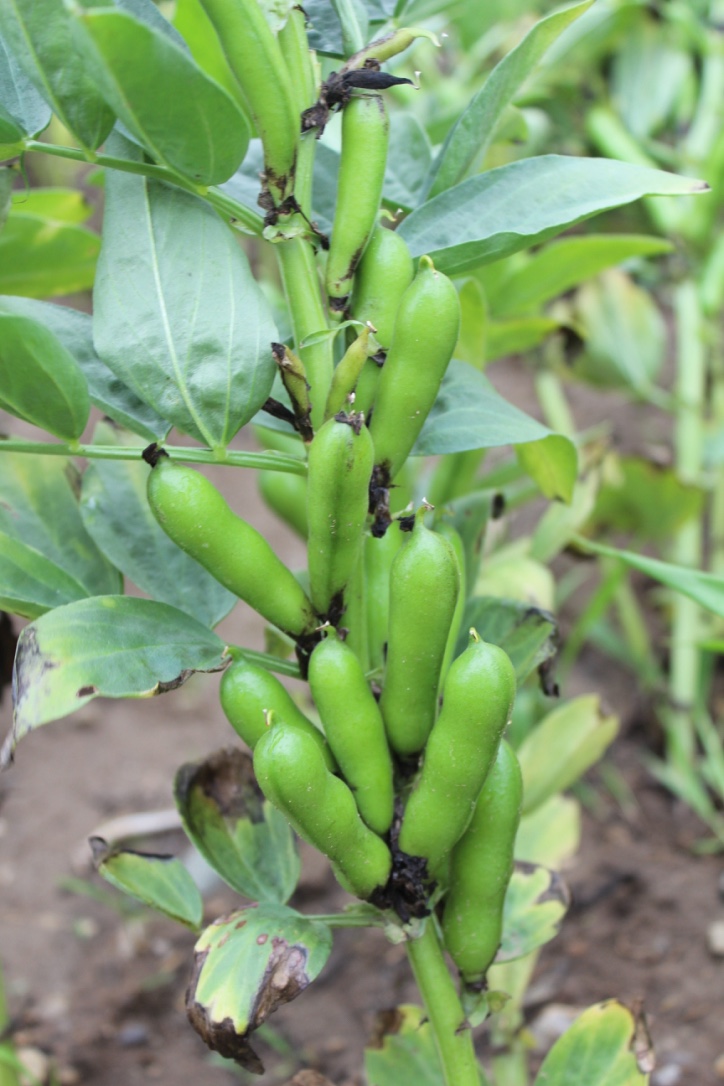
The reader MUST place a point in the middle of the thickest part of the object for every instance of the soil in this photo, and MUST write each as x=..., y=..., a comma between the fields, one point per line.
x=99, y=989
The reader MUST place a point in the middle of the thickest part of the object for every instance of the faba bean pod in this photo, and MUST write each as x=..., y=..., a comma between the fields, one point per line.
x=477, y=703
x=449, y=532
x=196, y=517
x=286, y=495
x=292, y=775
x=383, y=275
x=365, y=133
x=347, y=374
x=423, y=341
x=253, y=55
x=249, y=693
x=340, y=464
x=424, y=588
x=354, y=729
x=482, y=863
x=379, y=555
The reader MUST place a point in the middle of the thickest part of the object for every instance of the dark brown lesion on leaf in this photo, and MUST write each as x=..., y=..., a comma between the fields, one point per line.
x=225, y=779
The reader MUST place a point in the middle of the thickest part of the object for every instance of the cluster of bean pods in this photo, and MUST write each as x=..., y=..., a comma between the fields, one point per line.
x=408, y=787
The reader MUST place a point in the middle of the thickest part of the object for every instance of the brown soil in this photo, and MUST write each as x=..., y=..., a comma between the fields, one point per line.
x=101, y=992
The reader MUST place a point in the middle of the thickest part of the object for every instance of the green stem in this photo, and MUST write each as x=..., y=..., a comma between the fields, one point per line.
x=304, y=297
x=454, y=1039
x=363, y=919
x=265, y=660
x=224, y=204
x=687, y=548
x=266, y=461
x=352, y=37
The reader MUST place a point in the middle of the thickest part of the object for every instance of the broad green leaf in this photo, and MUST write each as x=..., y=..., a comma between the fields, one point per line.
x=558, y=525
x=117, y=516
x=552, y=465
x=567, y=263
x=625, y=334
x=182, y=116
x=405, y=1051
x=643, y=498
x=247, y=964
x=469, y=137
x=516, y=336
x=535, y=903
x=23, y=111
x=192, y=22
x=39, y=33
x=30, y=584
x=706, y=589
x=606, y=1046
x=107, y=646
x=159, y=881
x=470, y=414
x=54, y=204
x=527, y=634
x=551, y=834
x=178, y=315
x=648, y=72
x=237, y=831
x=407, y=162
x=510, y=573
x=324, y=30
x=42, y=259
x=75, y=331
x=39, y=508
x=524, y=203
x=559, y=750
x=39, y=380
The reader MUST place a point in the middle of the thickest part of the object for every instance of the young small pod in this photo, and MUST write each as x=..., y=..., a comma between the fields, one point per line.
x=346, y=374
x=383, y=275
x=480, y=870
x=339, y=469
x=477, y=704
x=286, y=495
x=249, y=692
x=354, y=729
x=292, y=775
x=196, y=517
x=379, y=554
x=424, y=588
x=365, y=133
x=426, y=331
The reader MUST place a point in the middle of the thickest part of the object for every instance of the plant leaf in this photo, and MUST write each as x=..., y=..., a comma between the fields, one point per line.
x=559, y=750
x=40, y=34
x=552, y=465
x=30, y=584
x=42, y=259
x=527, y=634
x=404, y=1050
x=178, y=315
x=407, y=162
x=181, y=115
x=524, y=203
x=117, y=516
x=535, y=903
x=237, y=831
x=566, y=263
x=107, y=646
x=39, y=380
x=643, y=498
x=246, y=965
x=159, y=881
x=56, y=204
x=551, y=834
x=607, y=1046
x=516, y=336
x=471, y=134
x=23, y=111
x=74, y=331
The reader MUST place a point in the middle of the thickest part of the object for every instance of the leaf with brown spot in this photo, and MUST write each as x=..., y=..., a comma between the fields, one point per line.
x=237, y=831
x=600, y=1048
x=536, y=901
x=246, y=965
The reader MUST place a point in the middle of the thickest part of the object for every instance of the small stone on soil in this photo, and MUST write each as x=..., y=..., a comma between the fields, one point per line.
x=715, y=938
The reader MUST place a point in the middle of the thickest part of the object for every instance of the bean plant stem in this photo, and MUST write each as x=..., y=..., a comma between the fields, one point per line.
x=688, y=542
x=266, y=461
x=352, y=34
x=454, y=1039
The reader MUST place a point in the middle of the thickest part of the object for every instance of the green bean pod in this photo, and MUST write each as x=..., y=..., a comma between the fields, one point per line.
x=446, y=529
x=388, y=46
x=424, y=588
x=340, y=465
x=426, y=331
x=365, y=134
x=286, y=495
x=346, y=374
x=482, y=863
x=379, y=555
x=383, y=275
x=293, y=776
x=249, y=692
x=196, y=517
x=253, y=55
x=354, y=729
x=477, y=703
